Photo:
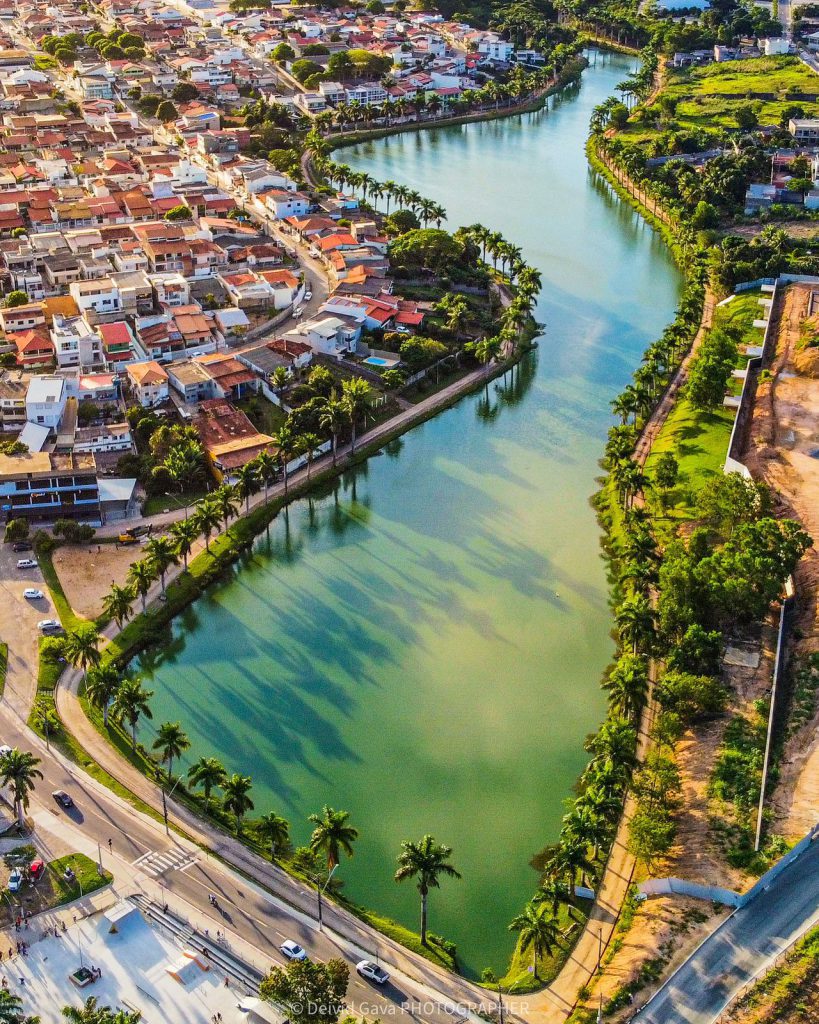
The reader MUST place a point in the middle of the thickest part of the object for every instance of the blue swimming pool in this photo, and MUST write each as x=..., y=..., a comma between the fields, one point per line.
x=377, y=361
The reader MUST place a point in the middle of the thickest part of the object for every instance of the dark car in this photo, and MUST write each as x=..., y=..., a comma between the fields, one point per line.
x=62, y=798
x=22, y=545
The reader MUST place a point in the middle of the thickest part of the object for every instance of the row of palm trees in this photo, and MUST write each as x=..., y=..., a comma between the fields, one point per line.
x=405, y=198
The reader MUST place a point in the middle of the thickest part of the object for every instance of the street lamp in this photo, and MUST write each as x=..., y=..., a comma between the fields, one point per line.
x=320, y=889
x=165, y=801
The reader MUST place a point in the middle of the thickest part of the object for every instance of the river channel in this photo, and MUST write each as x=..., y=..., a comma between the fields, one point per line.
x=422, y=645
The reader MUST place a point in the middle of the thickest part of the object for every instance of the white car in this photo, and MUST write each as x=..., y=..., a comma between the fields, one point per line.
x=307, y=296
x=26, y=563
x=32, y=594
x=314, y=252
x=15, y=880
x=367, y=969
x=49, y=626
x=297, y=312
x=292, y=950
x=5, y=750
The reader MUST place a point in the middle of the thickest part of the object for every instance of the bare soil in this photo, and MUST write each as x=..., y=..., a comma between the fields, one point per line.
x=87, y=573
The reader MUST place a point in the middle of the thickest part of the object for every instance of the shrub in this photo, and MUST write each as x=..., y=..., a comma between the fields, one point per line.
x=16, y=529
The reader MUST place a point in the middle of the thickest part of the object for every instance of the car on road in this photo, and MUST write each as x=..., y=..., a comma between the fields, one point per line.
x=22, y=545
x=307, y=296
x=62, y=798
x=367, y=969
x=15, y=880
x=36, y=869
x=49, y=626
x=292, y=950
x=297, y=312
x=26, y=563
x=33, y=594
x=314, y=252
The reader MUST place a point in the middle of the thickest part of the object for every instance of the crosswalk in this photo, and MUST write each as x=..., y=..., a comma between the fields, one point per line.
x=157, y=862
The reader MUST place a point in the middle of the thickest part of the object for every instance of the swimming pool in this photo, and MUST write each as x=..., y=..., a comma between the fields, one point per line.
x=377, y=361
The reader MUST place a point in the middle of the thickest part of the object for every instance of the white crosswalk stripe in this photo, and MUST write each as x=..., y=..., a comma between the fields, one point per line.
x=157, y=862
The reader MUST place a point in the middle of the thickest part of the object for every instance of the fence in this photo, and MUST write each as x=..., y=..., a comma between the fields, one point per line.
x=682, y=887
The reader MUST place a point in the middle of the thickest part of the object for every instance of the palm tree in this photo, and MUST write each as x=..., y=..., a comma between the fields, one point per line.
x=171, y=741
x=285, y=441
x=185, y=532
x=266, y=467
x=627, y=686
x=308, y=443
x=81, y=647
x=225, y=498
x=332, y=835
x=537, y=931
x=101, y=685
x=426, y=861
x=635, y=622
x=89, y=1013
x=334, y=417
x=11, y=1009
x=247, y=482
x=162, y=555
x=19, y=769
x=207, y=772
x=237, y=801
x=130, y=702
x=207, y=518
x=554, y=892
x=275, y=830
x=357, y=399
x=141, y=576
x=44, y=718
x=118, y=604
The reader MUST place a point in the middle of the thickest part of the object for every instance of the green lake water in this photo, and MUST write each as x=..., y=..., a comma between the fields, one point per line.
x=423, y=645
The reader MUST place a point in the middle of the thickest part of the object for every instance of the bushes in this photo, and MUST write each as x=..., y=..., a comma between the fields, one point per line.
x=16, y=529
x=691, y=697
x=73, y=532
x=737, y=774
x=711, y=370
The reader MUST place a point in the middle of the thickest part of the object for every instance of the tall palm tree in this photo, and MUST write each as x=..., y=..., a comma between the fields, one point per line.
x=184, y=533
x=162, y=554
x=266, y=468
x=89, y=1013
x=308, y=443
x=19, y=769
x=81, y=647
x=225, y=498
x=335, y=416
x=285, y=441
x=171, y=741
x=101, y=685
x=247, y=482
x=537, y=932
x=332, y=835
x=130, y=703
x=427, y=861
x=11, y=1009
x=635, y=622
x=627, y=686
x=207, y=517
x=141, y=576
x=275, y=830
x=237, y=801
x=207, y=772
x=118, y=604
x=356, y=396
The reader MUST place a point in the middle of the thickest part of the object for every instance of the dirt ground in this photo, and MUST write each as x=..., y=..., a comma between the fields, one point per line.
x=784, y=436
x=87, y=573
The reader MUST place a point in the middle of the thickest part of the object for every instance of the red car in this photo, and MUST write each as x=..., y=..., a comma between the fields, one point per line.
x=36, y=869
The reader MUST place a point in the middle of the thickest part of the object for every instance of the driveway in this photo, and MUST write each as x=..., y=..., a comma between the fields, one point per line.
x=18, y=626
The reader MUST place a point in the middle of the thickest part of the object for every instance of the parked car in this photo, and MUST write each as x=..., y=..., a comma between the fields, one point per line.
x=22, y=545
x=33, y=594
x=26, y=563
x=297, y=312
x=15, y=880
x=367, y=969
x=308, y=295
x=37, y=869
x=49, y=626
x=292, y=950
x=62, y=798
x=5, y=750
x=314, y=252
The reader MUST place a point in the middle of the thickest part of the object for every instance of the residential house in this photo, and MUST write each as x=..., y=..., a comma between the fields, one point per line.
x=285, y=286
x=229, y=438
x=35, y=349
x=149, y=383
x=96, y=299
x=46, y=399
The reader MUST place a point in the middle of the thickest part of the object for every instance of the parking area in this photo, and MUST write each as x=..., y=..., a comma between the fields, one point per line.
x=18, y=624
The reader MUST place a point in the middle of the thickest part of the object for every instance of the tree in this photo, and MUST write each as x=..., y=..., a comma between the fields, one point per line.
x=207, y=772
x=332, y=835
x=166, y=111
x=309, y=992
x=183, y=92
x=304, y=69
x=704, y=216
x=666, y=473
x=141, y=576
x=225, y=499
x=538, y=932
x=11, y=1009
x=334, y=418
x=101, y=687
x=131, y=702
x=627, y=686
x=729, y=499
x=236, y=799
x=283, y=52
x=266, y=468
x=247, y=482
x=746, y=117
x=45, y=720
x=184, y=533
x=698, y=651
x=16, y=298
x=427, y=861
x=356, y=396
x=651, y=835
x=19, y=770
x=275, y=829
x=207, y=518
x=417, y=352
x=162, y=554
x=171, y=741
x=118, y=604
x=635, y=622
x=177, y=213
x=81, y=647
x=618, y=116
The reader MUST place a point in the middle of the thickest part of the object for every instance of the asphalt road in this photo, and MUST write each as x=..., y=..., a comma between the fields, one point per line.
x=737, y=951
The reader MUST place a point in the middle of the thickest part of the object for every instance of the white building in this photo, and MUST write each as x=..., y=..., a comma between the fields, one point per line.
x=75, y=343
x=45, y=401
x=97, y=298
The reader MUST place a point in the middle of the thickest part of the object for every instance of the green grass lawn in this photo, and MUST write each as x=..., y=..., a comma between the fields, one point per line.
x=87, y=880
x=265, y=415
x=157, y=503
x=68, y=617
x=520, y=978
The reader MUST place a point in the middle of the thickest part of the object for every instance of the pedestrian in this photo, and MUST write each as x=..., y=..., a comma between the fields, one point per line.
x=110, y=845
x=11, y=953
x=63, y=924
x=227, y=981
x=22, y=980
